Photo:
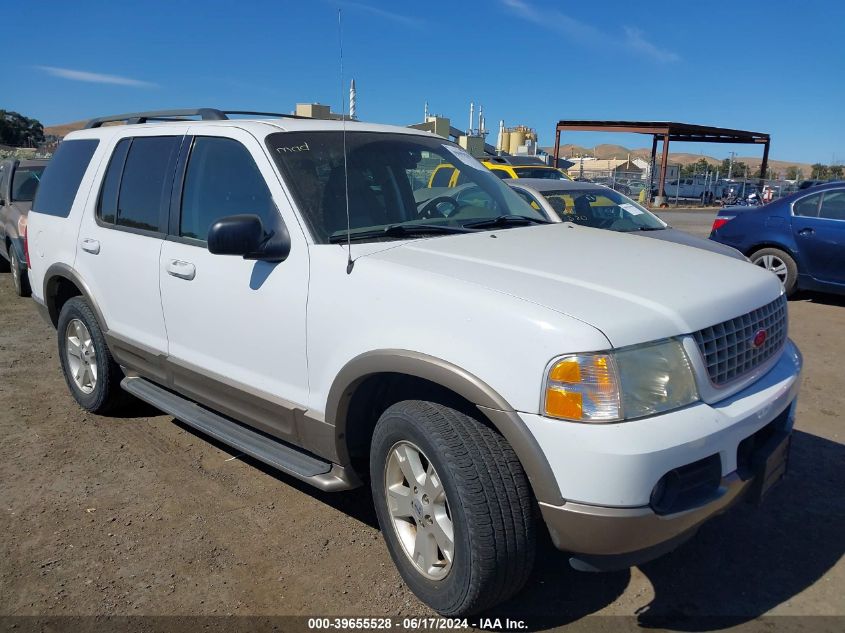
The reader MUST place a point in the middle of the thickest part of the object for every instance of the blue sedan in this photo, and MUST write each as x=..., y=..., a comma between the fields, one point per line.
x=800, y=238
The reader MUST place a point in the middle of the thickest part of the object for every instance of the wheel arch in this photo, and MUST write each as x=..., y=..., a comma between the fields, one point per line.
x=428, y=376
x=61, y=283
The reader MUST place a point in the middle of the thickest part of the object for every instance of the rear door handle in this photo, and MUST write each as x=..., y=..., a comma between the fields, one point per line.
x=90, y=246
x=182, y=270
x=806, y=232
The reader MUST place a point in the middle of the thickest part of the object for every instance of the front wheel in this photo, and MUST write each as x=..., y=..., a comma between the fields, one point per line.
x=454, y=506
x=781, y=264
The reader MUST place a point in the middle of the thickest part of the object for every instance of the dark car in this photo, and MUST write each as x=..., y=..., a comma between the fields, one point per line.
x=18, y=183
x=800, y=238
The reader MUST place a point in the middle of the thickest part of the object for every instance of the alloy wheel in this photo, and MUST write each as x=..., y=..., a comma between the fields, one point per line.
x=81, y=356
x=774, y=264
x=419, y=510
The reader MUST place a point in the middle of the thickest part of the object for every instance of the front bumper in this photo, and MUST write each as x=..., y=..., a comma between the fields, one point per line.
x=607, y=473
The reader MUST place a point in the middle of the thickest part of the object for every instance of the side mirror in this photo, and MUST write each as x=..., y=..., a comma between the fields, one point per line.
x=246, y=236
x=236, y=235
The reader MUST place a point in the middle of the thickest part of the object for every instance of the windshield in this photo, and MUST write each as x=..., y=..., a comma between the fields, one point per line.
x=25, y=183
x=388, y=177
x=549, y=173
x=602, y=208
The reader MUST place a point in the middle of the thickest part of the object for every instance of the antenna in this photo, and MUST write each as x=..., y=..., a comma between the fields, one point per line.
x=349, y=261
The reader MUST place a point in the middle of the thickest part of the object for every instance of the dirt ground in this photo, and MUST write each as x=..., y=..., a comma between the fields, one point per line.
x=138, y=515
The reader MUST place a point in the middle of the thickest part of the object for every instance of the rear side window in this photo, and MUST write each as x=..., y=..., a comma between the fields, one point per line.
x=501, y=173
x=833, y=205
x=144, y=187
x=222, y=179
x=807, y=207
x=61, y=179
x=107, y=204
x=25, y=183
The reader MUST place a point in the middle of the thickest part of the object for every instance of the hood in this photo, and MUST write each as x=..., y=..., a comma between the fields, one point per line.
x=680, y=237
x=632, y=289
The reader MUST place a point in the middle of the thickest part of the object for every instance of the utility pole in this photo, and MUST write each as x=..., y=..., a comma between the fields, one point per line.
x=731, y=164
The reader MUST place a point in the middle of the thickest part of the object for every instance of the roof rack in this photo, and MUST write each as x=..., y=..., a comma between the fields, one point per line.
x=205, y=114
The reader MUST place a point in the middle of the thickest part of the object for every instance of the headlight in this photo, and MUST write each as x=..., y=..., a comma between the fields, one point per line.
x=630, y=383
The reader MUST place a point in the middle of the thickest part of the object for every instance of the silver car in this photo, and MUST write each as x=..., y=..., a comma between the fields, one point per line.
x=597, y=206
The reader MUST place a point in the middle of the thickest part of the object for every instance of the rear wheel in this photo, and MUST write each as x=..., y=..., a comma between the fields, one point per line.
x=19, y=274
x=90, y=371
x=781, y=264
x=454, y=506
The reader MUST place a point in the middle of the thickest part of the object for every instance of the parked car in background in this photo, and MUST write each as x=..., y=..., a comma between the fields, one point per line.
x=18, y=183
x=800, y=237
x=447, y=175
x=601, y=207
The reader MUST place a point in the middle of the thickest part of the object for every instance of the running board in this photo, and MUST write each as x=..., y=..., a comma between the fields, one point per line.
x=313, y=470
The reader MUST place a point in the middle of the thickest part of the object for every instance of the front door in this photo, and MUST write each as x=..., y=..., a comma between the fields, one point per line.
x=236, y=328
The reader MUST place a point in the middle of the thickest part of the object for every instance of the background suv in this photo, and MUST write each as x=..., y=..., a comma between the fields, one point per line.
x=18, y=183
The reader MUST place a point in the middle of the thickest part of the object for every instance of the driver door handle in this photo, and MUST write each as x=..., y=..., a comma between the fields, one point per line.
x=806, y=232
x=182, y=270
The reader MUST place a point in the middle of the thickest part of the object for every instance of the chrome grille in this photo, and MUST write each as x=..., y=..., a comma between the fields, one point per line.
x=728, y=348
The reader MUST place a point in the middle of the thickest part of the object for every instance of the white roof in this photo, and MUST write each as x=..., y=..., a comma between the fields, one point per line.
x=258, y=127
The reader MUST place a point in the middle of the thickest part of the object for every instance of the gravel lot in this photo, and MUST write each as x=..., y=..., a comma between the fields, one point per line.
x=138, y=515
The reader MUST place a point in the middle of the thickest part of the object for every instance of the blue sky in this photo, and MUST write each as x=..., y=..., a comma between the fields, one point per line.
x=768, y=66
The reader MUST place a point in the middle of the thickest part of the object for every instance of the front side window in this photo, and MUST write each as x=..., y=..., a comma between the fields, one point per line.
x=385, y=176
x=61, y=178
x=25, y=183
x=807, y=207
x=222, y=179
x=602, y=209
x=833, y=205
x=142, y=195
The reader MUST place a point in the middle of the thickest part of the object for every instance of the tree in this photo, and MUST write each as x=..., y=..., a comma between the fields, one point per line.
x=19, y=131
x=701, y=166
x=793, y=173
x=836, y=171
x=819, y=171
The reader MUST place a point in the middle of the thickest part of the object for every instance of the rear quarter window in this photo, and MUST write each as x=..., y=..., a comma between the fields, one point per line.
x=61, y=179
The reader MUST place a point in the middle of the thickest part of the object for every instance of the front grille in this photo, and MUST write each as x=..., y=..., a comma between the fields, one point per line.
x=728, y=347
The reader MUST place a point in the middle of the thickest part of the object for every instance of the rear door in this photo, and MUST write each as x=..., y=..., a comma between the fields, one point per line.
x=120, y=242
x=819, y=228
x=236, y=328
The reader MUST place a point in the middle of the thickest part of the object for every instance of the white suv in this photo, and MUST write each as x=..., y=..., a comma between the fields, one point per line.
x=291, y=288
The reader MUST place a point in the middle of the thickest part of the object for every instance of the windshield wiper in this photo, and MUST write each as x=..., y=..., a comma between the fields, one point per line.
x=652, y=228
x=396, y=230
x=505, y=221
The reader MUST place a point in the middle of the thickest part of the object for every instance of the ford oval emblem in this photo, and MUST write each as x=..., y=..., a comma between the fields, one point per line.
x=759, y=338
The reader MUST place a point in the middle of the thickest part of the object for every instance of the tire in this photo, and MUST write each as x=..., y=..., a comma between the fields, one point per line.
x=102, y=394
x=780, y=263
x=4, y=265
x=19, y=274
x=488, y=501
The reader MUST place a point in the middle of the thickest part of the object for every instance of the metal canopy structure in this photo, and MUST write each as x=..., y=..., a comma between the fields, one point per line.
x=668, y=131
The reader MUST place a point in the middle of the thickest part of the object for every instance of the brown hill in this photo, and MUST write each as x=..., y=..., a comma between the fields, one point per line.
x=682, y=158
